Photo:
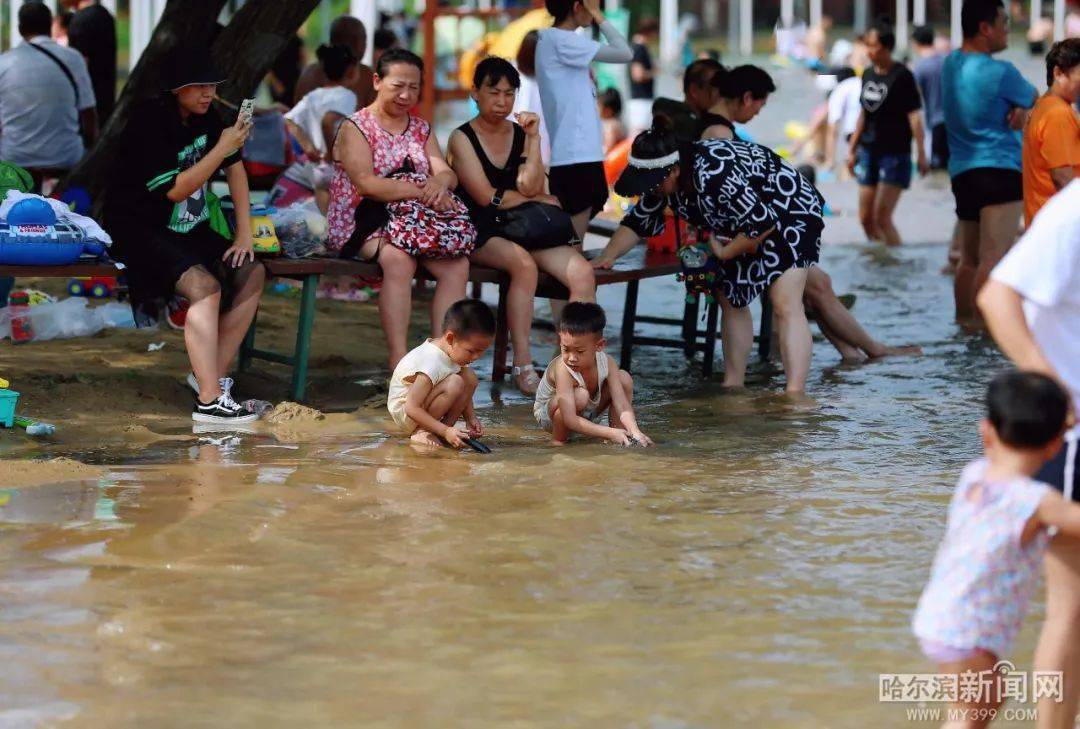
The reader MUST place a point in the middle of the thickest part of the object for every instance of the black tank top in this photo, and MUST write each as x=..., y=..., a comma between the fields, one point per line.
x=501, y=178
x=709, y=119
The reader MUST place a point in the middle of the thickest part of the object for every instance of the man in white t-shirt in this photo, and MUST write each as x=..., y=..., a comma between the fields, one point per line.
x=568, y=97
x=45, y=93
x=1031, y=305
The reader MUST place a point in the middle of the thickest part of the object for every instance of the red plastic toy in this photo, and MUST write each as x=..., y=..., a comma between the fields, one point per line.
x=95, y=287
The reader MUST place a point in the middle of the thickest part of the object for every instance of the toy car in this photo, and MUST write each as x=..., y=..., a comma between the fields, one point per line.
x=95, y=287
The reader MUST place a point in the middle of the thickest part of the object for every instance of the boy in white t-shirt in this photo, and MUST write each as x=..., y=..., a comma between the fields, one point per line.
x=568, y=97
x=1031, y=305
x=314, y=120
x=432, y=387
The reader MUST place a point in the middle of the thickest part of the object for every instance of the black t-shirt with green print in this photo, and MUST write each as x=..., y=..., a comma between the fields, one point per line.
x=157, y=147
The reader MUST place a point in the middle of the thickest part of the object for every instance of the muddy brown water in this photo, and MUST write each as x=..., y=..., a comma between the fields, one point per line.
x=758, y=567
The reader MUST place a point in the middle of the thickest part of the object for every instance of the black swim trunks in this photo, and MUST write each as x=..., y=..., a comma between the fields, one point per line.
x=985, y=186
x=1063, y=467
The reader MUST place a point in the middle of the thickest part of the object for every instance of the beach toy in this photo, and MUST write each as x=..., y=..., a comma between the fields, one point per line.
x=795, y=130
x=615, y=160
x=77, y=199
x=95, y=287
x=666, y=242
x=31, y=211
x=264, y=234
x=33, y=427
x=8, y=399
x=32, y=236
x=476, y=445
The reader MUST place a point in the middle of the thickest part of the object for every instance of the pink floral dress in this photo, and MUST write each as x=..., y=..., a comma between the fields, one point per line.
x=388, y=153
x=983, y=577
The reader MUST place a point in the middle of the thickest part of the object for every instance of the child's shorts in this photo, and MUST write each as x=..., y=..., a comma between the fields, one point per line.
x=403, y=421
x=941, y=653
x=543, y=417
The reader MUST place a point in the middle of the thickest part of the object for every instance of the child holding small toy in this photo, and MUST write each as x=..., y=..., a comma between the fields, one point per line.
x=432, y=387
x=999, y=527
x=583, y=382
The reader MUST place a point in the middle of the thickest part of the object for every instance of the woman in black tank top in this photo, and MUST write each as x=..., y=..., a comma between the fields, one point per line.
x=499, y=167
x=743, y=92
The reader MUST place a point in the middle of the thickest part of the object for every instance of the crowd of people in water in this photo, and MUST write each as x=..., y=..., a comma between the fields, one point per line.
x=522, y=179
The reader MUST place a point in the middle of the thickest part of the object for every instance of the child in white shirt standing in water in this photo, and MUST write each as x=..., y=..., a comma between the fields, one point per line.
x=568, y=98
x=584, y=382
x=432, y=387
x=1000, y=519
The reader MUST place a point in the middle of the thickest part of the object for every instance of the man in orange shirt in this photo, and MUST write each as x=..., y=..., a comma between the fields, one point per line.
x=1052, y=134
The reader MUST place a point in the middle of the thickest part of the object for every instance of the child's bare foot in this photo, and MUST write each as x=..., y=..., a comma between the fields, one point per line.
x=425, y=438
x=556, y=442
x=909, y=351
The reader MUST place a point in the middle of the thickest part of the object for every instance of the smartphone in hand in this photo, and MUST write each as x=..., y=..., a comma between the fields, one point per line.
x=247, y=108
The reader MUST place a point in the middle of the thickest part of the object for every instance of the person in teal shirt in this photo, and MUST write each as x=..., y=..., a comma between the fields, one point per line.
x=986, y=102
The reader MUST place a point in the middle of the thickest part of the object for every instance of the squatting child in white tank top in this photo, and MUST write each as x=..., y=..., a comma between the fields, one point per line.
x=583, y=382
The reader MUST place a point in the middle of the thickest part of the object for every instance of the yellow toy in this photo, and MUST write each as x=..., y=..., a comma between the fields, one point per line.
x=263, y=232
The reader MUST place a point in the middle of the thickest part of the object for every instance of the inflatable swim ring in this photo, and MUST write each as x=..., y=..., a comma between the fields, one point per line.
x=615, y=160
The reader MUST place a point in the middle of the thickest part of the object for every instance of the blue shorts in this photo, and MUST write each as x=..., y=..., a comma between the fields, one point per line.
x=873, y=168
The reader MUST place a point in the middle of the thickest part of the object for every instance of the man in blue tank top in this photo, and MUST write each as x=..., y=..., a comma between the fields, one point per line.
x=985, y=101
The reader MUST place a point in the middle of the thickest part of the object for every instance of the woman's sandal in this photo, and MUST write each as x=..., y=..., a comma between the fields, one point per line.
x=526, y=380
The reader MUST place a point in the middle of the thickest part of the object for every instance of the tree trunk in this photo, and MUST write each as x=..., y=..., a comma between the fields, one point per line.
x=257, y=34
x=243, y=52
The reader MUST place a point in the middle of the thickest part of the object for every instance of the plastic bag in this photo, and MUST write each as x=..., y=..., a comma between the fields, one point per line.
x=116, y=315
x=70, y=318
x=302, y=230
x=65, y=320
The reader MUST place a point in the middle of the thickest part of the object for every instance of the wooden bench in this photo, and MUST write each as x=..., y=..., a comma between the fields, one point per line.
x=633, y=268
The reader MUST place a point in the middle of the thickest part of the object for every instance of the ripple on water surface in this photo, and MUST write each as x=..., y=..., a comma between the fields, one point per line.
x=760, y=565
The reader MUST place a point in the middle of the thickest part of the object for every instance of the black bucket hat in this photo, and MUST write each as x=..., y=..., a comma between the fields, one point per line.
x=643, y=174
x=191, y=66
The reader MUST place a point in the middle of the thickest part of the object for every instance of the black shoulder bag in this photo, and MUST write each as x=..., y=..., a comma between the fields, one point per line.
x=533, y=225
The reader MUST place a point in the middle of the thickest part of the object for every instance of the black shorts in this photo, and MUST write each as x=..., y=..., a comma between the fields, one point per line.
x=939, y=148
x=1054, y=471
x=983, y=187
x=156, y=259
x=579, y=187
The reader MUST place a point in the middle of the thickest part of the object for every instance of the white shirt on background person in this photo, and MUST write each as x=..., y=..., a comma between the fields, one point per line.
x=1044, y=268
x=309, y=112
x=844, y=105
x=528, y=99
